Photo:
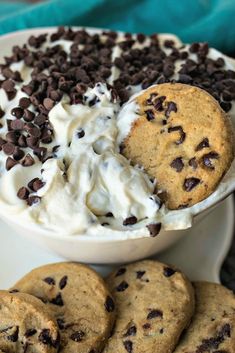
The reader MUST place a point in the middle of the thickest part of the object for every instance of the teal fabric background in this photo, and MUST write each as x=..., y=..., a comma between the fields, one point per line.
x=192, y=20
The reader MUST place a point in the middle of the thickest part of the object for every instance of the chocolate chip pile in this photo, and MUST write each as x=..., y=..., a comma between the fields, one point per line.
x=56, y=73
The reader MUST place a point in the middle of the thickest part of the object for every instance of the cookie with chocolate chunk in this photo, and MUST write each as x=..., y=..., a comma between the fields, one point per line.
x=26, y=325
x=78, y=299
x=183, y=139
x=213, y=326
x=154, y=302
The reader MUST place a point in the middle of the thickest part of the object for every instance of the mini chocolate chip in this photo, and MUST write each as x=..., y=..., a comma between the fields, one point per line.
x=130, y=221
x=80, y=133
x=154, y=229
x=168, y=271
x=109, y=304
x=49, y=280
x=63, y=282
x=139, y=274
x=28, y=161
x=177, y=164
x=33, y=200
x=190, y=183
x=181, y=131
x=23, y=193
x=30, y=332
x=131, y=331
x=10, y=163
x=171, y=107
x=149, y=115
x=206, y=158
x=17, y=112
x=14, y=336
x=8, y=148
x=203, y=144
x=122, y=286
x=57, y=300
x=24, y=102
x=120, y=271
x=77, y=336
x=128, y=346
x=193, y=163
x=154, y=313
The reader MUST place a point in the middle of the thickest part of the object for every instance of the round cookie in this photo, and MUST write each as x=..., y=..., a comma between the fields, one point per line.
x=183, y=139
x=154, y=305
x=213, y=325
x=78, y=299
x=25, y=325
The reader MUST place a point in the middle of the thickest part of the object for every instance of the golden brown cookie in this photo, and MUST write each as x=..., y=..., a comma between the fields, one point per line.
x=26, y=325
x=183, y=139
x=213, y=325
x=155, y=303
x=78, y=299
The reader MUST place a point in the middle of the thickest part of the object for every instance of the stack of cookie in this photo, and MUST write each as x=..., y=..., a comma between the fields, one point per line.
x=143, y=307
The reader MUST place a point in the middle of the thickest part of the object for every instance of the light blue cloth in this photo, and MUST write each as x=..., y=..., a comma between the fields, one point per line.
x=191, y=20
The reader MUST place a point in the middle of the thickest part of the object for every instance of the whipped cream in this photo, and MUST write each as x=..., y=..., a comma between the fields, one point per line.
x=87, y=180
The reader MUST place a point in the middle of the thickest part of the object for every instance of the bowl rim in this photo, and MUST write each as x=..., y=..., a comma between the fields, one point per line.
x=121, y=235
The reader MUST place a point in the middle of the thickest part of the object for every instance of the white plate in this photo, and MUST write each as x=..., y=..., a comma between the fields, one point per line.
x=199, y=254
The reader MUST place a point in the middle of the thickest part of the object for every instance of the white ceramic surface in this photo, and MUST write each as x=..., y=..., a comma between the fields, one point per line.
x=99, y=250
x=199, y=254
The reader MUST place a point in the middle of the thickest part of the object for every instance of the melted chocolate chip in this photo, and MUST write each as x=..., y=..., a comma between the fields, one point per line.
x=149, y=115
x=49, y=280
x=146, y=326
x=168, y=271
x=154, y=314
x=140, y=274
x=63, y=282
x=77, y=336
x=190, y=183
x=128, y=346
x=203, y=144
x=171, y=107
x=109, y=304
x=122, y=286
x=45, y=337
x=30, y=332
x=213, y=343
x=80, y=133
x=57, y=300
x=130, y=221
x=158, y=103
x=14, y=336
x=181, y=132
x=154, y=229
x=120, y=271
x=177, y=164
x=193, y=163
x=131, y=331
x=206, y=159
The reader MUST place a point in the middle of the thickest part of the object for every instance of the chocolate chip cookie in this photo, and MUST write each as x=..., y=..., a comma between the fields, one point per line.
x=182, y=138
x=26, y=325
x=154, y=305
x=213, y=326
x=78, y=299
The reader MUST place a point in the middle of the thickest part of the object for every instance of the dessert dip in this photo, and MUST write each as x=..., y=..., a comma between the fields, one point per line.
x=63, y=97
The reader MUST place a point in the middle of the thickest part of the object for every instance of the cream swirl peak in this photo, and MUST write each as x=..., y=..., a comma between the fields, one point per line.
x=61, y=167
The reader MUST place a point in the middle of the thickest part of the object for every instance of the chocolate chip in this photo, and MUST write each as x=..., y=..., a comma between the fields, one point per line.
x=154, y=229
x=146, y=326
x=48, y=103
x=63, y=282
x=80, y=133
x=49, y=280
x=33, y=200
x=40, y=119
x=139, y=274
x=193, y=163
x=24, y=102
x=10, y=163
x=17, y=112
x=171, y=107
x=120, y=271
x=8, y=148
x=206, y=159
x=177, y=164
x=57, y=300
x=168, y=271
x=154, y=313
x=158, y=103
x=128, y=346
x=131, y=331
x=45, y=337
x=190, y=183
x=30, y=332
x=77, y=336
x=14, y=336
x=226, y=106
x=61, y=323
x=122, y=286
x=130, y=221
x=8, y=86
x=23, y=193
x=181, y=131
x=149, y=115
x=28, y=161
x=34, y=131
x=40, y=152
x=17, y=124
x=2, y=113
x=28, y=115
x=22, y=141
x=203, y=144
x=109, y=304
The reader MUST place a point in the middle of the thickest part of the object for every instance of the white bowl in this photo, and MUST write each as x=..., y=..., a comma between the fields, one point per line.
x=107, y=249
